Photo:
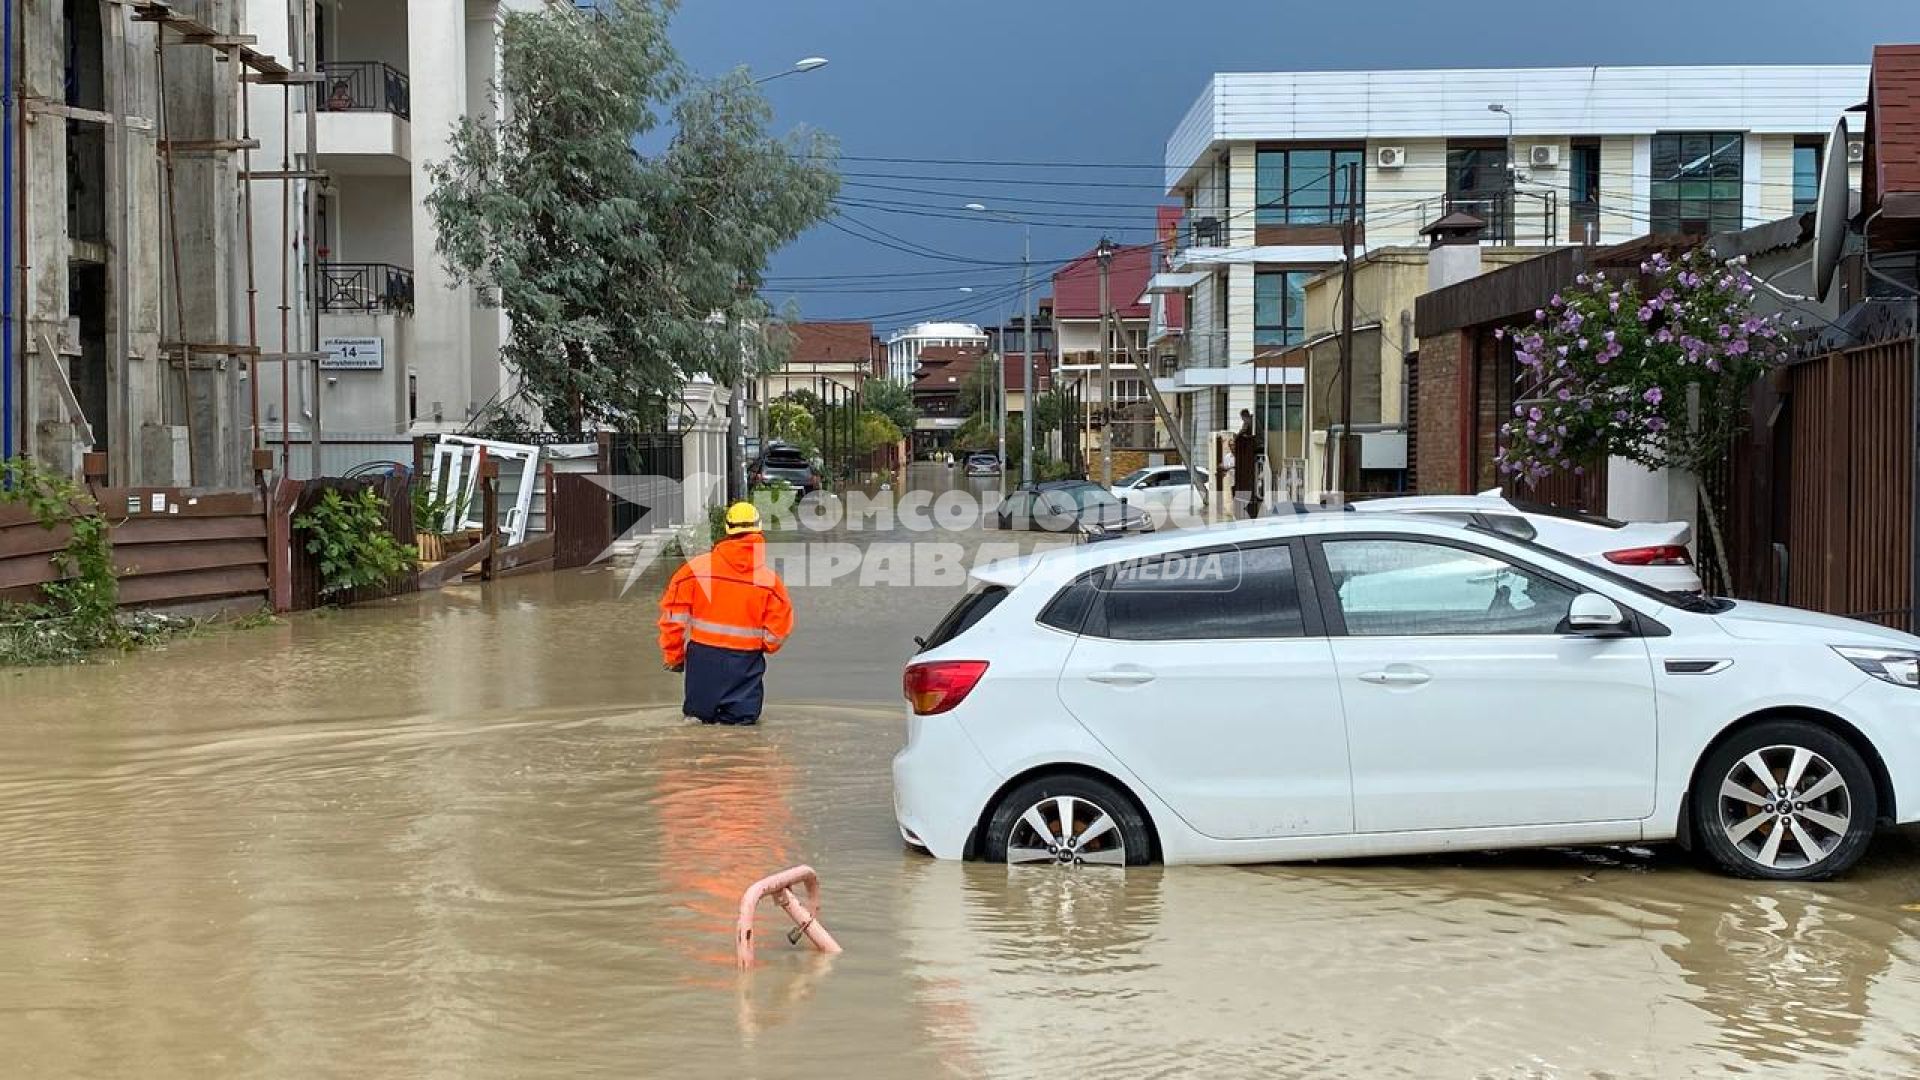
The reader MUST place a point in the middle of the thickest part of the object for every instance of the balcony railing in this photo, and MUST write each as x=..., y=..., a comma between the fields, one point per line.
x=365, y=289
x=364, y=86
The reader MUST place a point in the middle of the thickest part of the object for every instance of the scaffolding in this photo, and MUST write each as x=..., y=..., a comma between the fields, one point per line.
x=180, y=353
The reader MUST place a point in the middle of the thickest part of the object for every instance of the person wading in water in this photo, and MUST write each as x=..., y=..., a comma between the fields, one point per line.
x=722, y=614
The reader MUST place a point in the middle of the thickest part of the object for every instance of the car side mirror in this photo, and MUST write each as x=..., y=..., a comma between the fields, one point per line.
x=1593, y=615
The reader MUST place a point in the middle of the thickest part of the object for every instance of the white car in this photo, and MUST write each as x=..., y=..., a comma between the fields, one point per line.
x=1654, y=553
x=1164, y=491
x=1340, y=685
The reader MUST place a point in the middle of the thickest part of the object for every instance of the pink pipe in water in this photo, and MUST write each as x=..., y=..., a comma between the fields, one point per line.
x=780, y=887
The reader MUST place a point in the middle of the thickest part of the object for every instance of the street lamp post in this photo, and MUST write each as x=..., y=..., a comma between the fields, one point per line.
x=1028, y=399
x=800, y=67
x=1512, y=175
x=737, y=398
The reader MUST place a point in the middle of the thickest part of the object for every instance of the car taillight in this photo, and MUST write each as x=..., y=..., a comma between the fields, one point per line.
x=939, y=685
x=1658, y=555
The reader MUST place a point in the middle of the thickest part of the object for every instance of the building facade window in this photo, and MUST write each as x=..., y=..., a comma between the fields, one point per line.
x=1695, y=183
x=1478, y=183
x=1279, y=307
x=1305, y=186
x=1806, y=175
x=1583, y=189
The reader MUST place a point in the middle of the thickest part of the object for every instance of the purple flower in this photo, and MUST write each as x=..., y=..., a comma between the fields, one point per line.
x=1539, y=314
x=1725, y=331
x=1663, y=335
x=1645, y=313
x=1613, y=304
x=1713, y=365
x=1579, y=470
x=1739, y=347
x=1654, y=423
x=1621, y=416
x=1565, y=395
x=1535, y=414
x=1499, y=332
x=1653, y=395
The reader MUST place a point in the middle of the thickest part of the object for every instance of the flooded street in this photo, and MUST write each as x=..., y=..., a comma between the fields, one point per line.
x=467, y=834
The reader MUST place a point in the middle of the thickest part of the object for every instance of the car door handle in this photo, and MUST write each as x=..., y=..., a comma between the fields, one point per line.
x=1396, y=677
x=1122, y=677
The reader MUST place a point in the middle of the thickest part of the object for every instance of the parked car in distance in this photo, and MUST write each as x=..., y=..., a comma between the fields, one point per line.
x=787, y=464
x=1070, y=506
x=983, y=465
x=1165, y=491
x=1653, y=552
x=1342, y=685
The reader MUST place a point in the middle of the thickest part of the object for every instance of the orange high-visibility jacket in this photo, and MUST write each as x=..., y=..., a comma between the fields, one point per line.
x=728, y=597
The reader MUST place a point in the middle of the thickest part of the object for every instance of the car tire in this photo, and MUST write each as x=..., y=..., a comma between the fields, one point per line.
x=1740, y=822
x=1107, y=828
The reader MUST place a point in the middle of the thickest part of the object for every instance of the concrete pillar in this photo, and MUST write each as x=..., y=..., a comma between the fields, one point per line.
x=1636, y=493
x=442, y=313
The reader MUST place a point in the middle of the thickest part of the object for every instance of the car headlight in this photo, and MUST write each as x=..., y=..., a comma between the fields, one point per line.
x=1901, y=667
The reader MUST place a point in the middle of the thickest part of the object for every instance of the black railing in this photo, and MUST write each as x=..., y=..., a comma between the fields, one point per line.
x=364, y=86
x=365, y=288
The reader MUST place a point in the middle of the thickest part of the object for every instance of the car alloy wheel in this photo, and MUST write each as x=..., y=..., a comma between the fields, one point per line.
x=1068, y=830
x=1785, y=807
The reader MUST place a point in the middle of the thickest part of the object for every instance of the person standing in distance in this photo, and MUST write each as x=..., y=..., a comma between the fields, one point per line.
x=722, y=614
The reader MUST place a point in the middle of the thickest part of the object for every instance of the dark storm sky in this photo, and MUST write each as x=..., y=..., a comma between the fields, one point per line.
x=1102, y=83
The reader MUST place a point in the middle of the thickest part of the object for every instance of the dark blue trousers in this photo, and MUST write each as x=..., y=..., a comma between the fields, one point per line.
x=724, y=686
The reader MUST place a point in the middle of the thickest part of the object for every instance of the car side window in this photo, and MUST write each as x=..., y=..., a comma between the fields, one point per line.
x=1390, y=588
x=1217, y=594
x=1068, y=608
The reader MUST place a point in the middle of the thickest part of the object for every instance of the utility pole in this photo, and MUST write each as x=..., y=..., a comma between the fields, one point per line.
x=309, y=64
x=1106, y=366
x=1000, y=386
x=1027, y=399
x=1348, y=473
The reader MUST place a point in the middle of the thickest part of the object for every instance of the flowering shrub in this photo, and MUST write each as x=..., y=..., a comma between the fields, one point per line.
x=1655, y=369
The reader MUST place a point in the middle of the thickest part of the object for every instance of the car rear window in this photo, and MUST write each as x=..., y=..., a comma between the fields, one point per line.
x=971, y=609
x=786, y=459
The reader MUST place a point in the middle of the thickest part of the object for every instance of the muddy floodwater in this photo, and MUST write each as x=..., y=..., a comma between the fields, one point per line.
x=467, y=835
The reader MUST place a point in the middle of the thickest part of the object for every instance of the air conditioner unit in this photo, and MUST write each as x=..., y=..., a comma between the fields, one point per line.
x=1856, y=150
x=1544, y=156
x=1389, y=157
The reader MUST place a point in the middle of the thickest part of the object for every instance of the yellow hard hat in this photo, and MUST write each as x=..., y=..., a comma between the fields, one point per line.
x=742, y=517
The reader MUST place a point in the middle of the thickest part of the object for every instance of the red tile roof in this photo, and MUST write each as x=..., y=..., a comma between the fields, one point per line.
x=1076, y=286
x=1893, y=123
x=937, y=362
x=824, y=342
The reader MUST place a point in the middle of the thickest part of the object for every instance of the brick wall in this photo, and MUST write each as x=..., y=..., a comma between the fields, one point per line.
x=1439, y=432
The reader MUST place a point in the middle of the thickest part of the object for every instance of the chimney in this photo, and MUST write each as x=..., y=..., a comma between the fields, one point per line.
x=1455, y=252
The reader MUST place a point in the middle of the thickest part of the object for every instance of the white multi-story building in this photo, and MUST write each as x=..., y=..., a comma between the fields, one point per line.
x=410, y=350
x=903, y=346
x=1600, y=155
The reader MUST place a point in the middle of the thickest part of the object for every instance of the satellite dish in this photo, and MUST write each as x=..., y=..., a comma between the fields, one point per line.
x=1830, y=211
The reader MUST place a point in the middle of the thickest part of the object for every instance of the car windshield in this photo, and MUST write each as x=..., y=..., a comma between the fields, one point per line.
x=1088, y=495
x=1131, y=478
x=1699, y=605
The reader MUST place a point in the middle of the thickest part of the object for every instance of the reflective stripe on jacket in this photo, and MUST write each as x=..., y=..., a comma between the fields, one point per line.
x=728, y=598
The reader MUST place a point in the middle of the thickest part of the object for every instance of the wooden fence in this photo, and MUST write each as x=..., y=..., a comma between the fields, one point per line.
x=304, y=580
x=172, y=548
x=1818, y=499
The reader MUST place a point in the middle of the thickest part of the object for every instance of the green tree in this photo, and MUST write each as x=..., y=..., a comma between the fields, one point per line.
x=790, y=422
x=874, y=430
x=1656, y=368
x=892, y=400
x=622, y=273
